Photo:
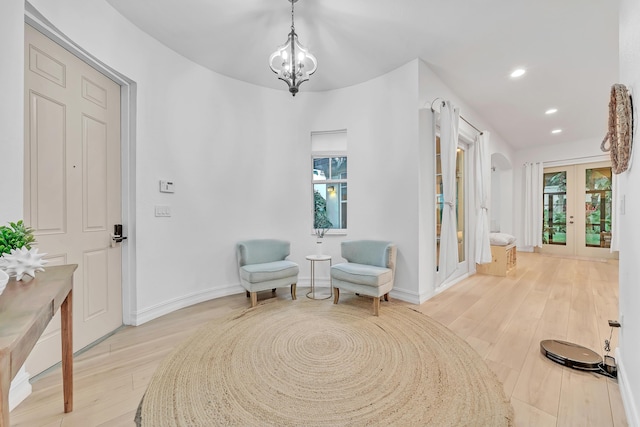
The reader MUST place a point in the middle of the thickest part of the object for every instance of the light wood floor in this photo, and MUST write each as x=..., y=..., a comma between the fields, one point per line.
x=504, y=319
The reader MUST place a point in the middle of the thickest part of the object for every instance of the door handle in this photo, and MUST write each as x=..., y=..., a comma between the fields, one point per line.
x=117, y=236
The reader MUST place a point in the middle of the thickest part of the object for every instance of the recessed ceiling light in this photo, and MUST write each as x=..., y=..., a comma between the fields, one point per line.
x=556, y=131
x=551, y=111
x=519, y=72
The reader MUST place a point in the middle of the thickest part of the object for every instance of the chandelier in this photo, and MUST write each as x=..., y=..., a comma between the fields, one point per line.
x=292, y=62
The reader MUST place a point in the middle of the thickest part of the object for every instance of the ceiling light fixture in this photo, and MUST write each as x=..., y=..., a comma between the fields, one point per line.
x=551, y=111
x=556, y=131
x=292, y=62
x=519, y=72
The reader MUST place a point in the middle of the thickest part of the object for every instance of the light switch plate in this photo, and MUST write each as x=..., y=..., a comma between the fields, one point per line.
x=164, y=211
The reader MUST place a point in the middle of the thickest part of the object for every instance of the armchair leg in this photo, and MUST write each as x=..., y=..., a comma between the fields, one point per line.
x=386, y=297
x=254, y=299
x=293, y=291
x=336, y=295
x=273, y=290
x=376, y=306
x=248, y=294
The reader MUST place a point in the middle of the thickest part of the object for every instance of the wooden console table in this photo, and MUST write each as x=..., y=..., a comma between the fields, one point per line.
x=25, y=311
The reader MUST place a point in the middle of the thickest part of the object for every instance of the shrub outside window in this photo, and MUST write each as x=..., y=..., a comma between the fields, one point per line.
x=329, y=192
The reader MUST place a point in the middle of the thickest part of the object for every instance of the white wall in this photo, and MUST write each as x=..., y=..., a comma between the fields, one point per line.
x=381, y=119
x=11, y=110
x=629, y=350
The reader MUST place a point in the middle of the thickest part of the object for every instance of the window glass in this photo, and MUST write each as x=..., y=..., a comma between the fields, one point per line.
x=330, y=192
x=598, y=207
x=439, y=202
x=554, y=230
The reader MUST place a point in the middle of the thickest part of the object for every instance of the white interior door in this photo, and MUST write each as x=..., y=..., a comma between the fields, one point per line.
x=577, y=210
x=72, y=186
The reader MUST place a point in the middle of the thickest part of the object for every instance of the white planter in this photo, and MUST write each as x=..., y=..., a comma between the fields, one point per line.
x=319, y=247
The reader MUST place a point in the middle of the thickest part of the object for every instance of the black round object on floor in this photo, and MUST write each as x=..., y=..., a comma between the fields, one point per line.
x=571, y=355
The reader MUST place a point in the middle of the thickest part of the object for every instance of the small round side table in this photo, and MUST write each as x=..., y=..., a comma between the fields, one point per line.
x=312, y=293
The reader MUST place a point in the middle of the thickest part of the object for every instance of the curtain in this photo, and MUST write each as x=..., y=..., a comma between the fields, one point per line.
x=533, y=210
x=615, y=213
x=483, y=197
x=449, y=118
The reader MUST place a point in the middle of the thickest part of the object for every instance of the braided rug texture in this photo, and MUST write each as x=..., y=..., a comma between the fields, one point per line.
x=313, y=363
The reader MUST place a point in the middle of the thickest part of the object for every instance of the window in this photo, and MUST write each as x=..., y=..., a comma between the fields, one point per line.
x=329, y=181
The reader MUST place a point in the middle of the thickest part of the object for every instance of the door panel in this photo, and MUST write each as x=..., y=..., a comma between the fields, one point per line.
x=47, y=164
x=72, y=186
x=95, y=174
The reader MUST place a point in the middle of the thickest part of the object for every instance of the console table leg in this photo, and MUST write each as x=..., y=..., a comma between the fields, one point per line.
x=5, y=383
x=66, y=312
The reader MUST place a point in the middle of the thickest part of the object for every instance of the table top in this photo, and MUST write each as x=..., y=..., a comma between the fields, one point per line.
x=318, y=257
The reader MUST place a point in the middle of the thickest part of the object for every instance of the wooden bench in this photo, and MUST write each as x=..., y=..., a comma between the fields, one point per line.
x=503, y=261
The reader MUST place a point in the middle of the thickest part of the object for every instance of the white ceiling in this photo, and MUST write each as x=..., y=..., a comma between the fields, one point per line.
x=569, y=48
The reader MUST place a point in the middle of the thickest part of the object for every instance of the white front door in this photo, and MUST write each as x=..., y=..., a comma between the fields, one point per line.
x=72, y=186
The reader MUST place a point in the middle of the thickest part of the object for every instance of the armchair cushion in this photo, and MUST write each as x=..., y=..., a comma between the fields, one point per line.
x=254, y=273
x=369, y=275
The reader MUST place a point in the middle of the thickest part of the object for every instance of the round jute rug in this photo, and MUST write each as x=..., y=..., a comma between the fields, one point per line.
x=313, y=363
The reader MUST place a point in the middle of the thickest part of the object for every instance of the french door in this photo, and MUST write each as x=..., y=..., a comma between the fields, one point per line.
x=577, y=201
x=461, y=216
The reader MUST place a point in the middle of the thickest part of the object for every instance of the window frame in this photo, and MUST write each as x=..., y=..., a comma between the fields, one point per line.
x=328, y=181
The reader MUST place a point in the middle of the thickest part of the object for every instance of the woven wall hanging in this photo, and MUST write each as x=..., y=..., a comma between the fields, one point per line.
x=619, y=138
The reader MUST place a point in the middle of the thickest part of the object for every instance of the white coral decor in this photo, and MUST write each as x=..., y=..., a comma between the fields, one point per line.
x=23, y=261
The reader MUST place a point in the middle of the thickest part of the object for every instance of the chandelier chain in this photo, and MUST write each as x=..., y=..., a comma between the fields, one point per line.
x=292, y=26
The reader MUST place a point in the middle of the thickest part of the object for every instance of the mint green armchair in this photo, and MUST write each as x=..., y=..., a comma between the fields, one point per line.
x=370, y=270
x=262, y=266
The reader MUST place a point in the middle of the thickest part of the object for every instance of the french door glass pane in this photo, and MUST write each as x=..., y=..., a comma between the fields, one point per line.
x=460, y=202
x=598, y=207
x=460, y=197
x=555, y=208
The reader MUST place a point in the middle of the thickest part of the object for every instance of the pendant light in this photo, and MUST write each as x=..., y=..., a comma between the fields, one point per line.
x=292, y=62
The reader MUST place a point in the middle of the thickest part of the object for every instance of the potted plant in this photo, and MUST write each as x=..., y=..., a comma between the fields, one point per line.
x=321, y=222
x=17, y=258
x=15, y=236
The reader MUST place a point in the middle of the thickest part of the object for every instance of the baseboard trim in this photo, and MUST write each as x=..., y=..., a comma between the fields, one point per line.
x=630, y=409
x=20, y=388
x=406, y=296
x=147, y=314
